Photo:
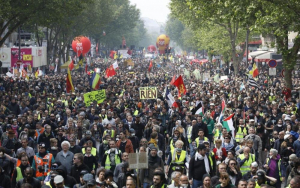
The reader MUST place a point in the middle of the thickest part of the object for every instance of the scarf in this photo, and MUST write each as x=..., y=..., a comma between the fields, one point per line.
x=219, y=151
x=153, y=141
x=200, y=157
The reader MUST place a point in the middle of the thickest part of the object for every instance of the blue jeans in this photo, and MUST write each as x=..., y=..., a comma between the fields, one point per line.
x=197, y=183
x=145, y=185
x=192, y=151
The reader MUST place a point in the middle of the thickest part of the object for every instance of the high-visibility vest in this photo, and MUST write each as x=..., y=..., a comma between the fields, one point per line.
x=48, y=183
x=40, y=162
x=189, y=134
x=163, y=186
x=112, y=133
x=197, y=140
x=278, y=166
x=93, y=151
x=246, y=166
x=176, y=160
x=240, y=134
x=217, y=134
x=107, y=161
x=65, y=102
x=19, y=174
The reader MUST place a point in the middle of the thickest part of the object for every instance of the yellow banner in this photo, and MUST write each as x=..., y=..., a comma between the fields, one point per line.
x=27, y=57
x=92, y=96
x=148, y=92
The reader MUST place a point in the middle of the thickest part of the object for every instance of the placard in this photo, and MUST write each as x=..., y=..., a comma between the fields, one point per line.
x=272, y=71
x=138, y=160
x=98, y=96
x=148, y=92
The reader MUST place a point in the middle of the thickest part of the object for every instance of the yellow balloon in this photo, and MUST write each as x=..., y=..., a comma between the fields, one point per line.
x=162, y=43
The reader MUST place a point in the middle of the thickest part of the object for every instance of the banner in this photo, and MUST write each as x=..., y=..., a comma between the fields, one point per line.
x=98, y=96
x=26, y=56
x=148, y=92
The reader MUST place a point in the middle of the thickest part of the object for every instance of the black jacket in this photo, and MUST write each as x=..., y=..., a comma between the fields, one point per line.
x=34, y=183
x=75, y=149
x=68, y=180
x=75, y=171
x=45, y=139
x=14, y=176
x=196, y=128
x=5, y=181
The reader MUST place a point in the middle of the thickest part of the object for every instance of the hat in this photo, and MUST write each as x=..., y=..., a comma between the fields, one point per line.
x=252, y=120
x=286, y=136
x=96, y=118
x=11, y=132
x=287, y=118
x=212, y=104
x=201, y=147
x=260, y=174
x=83, y=172
x=58, y=179
x=254, y=164
x=42, y=144
x=88, y=133
x=178, y=168
x=131, y=130
x=82, y=114
x=91, y=182
x=293, y=157
x=152, y=147
x=87, y=177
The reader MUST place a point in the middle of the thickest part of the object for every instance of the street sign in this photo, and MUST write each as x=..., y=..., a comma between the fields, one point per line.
x=272, y=63
x=282, y=73
x=272, y=71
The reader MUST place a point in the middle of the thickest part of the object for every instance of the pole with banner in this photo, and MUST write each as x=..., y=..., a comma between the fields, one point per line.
x=138, y=161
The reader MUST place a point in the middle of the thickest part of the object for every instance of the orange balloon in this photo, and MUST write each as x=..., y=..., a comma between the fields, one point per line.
x=162, y=43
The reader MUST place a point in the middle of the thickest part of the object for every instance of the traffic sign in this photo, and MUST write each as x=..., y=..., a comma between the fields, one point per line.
x=282, y=73
x=272, y=71
x=272, y=63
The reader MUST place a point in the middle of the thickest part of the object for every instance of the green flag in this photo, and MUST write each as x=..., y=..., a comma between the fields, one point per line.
x=197, y=74
x=187, y=73
x=216, y=78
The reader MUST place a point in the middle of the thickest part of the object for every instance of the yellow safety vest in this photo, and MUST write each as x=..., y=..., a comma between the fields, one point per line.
x=19, y=174
x=180, y=160
x=217, y=134
x=246, y=166
x=112, y=133
x=189, y=134
x=48, y=183
x=239, y=134
x=107, y=161
x=93, y=151
x=197, y=140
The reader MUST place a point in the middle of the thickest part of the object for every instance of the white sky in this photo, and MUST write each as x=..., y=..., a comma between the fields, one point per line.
x=155, y=9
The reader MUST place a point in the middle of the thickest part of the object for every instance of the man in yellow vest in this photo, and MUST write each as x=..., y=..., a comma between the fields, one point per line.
x=177, y=157
x=112, y=157
x=245, y=160
x=201, y=138
x=241, y=131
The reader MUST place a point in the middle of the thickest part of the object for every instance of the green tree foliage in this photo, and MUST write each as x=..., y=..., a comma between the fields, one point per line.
x=174, y=29
x=278, y=18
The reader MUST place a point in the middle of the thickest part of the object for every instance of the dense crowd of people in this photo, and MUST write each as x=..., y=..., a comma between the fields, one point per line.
x=51, y=138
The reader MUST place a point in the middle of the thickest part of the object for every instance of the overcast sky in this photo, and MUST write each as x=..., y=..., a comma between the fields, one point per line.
x=154, y=9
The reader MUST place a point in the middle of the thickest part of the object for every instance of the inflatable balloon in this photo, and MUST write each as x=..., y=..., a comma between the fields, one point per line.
x=81, y=45
x=162, y=43
x=151, y=48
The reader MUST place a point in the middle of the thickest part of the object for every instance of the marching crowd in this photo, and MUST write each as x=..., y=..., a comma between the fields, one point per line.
x=51, y=138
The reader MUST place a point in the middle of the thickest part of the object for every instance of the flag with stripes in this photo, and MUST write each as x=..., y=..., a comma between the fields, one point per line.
x=251, y=82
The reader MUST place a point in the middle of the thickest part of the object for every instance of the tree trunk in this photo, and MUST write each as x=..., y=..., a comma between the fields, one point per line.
x=288, y=78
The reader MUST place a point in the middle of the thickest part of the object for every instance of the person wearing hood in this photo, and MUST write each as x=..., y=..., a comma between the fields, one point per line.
x=28, y=178
x=42, y=162
x=88, y=136
x=69, y=180
x=273, y=167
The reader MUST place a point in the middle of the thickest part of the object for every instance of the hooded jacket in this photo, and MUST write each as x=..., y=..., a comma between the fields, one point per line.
x=68, y=180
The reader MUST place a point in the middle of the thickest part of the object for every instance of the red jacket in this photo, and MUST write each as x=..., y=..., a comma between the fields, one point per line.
x=224, y=154
x=128, y=146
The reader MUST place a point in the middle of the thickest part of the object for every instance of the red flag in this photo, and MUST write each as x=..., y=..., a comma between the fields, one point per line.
x=86, y=67
x=110, y=71
x=150, y=66
x=69, y=84
x=71, y=65
x=180, y=85
x=173, y=80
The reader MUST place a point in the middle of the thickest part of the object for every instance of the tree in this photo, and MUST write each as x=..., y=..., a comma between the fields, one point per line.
x=229, y=14
x=279, y=18
x=174, y=29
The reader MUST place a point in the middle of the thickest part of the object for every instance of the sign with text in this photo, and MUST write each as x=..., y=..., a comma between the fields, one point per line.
x=272, y=71
x=138, y=160
x=92, y=96
x=148, y=92
x=26, y=57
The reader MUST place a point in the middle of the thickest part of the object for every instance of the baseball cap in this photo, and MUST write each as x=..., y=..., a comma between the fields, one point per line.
x=254, y=164
x=83, y=172
x=201, y=147
x=58, y=179
x=91, y=182
x=260, y=174
x=87, y=177
x=292, y=156
x=88, y=133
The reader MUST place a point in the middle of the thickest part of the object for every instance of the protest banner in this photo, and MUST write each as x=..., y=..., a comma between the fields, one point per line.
x=148, y=92
x=138, y=160
x=98, y=96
